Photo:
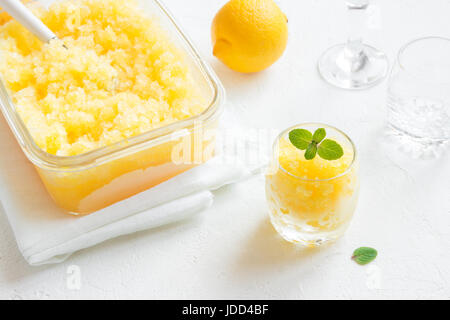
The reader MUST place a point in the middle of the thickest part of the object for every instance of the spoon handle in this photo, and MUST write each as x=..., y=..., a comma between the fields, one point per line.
x=26, y=18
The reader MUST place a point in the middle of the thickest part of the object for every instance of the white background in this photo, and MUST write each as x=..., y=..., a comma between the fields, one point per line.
x=231, y=250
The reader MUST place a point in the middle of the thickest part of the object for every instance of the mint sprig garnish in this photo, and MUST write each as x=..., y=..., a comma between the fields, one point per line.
x=364, y=255
x=315, y=144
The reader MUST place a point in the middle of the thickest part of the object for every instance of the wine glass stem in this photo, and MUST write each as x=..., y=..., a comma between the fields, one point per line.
x=356, y=18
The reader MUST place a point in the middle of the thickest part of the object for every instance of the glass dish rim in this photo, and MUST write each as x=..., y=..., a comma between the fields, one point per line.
x=320, y=125
x=404, y=47
x=45, y=160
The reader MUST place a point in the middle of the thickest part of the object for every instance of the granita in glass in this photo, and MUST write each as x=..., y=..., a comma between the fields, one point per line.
x=312, y=185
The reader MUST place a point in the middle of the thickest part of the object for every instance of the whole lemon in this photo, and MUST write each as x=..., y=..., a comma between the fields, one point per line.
x=249, y=35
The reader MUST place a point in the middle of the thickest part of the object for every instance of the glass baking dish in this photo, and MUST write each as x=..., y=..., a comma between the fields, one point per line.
x=91, y=181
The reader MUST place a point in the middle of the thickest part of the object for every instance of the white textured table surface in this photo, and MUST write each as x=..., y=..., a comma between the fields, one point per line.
x=231, y=251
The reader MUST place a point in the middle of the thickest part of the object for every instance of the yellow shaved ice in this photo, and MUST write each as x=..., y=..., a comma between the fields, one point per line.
x=120, y=76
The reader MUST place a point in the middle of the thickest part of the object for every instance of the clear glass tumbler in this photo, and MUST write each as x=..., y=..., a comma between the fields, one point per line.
x=418, y=98
x=312, y=202
x=354, y=65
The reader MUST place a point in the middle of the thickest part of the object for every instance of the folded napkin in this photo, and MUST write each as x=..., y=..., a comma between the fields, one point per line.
x=45, y=234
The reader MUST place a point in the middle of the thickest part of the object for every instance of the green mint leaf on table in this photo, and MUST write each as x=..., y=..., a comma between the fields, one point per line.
x=300, y=138
x=319, y=135
x=315, y=144
x=311, y=151
x=364, y=255
x=330, y=150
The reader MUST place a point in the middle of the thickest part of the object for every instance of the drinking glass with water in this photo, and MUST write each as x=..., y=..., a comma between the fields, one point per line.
x=419, y=95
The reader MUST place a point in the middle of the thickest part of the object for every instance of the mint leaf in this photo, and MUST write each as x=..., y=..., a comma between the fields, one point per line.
x=304, y=140
x=300, y=138
x=318, y=135
x=311, y=151
x=330, y=150
x=364, y=255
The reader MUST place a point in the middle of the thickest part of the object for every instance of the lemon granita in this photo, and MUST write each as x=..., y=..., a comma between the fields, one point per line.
x=110, y=114
x=120, y=76
x=312, y=201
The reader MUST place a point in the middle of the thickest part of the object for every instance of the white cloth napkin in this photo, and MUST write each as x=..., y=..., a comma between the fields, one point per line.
x=45, y=234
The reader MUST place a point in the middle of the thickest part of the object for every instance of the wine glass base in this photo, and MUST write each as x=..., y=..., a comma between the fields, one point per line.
x=338, y=69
